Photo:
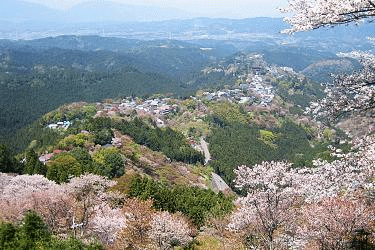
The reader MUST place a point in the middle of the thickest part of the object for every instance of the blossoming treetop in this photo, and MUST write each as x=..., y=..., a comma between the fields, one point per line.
x=348, y=93
x=313, y=14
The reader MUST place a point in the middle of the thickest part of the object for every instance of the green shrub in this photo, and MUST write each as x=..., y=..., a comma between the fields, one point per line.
x=33, y=234
x=194, y=202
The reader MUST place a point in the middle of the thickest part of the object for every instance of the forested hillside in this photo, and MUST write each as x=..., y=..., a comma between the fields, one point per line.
x=38, y=76
x=205, y=142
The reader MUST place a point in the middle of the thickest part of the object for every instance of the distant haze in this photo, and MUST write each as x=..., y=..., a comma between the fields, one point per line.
x=236, y=9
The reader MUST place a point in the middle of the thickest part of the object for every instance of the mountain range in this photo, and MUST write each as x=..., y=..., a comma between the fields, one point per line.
x=98, y=11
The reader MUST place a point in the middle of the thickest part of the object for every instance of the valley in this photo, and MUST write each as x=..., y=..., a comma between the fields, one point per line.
x=142, y=127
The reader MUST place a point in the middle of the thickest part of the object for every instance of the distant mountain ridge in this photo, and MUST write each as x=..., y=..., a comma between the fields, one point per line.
x=110, y=11
x=93, y=11
x=17, y=11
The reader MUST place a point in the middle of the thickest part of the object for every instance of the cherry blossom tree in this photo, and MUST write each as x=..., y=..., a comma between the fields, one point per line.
x=55, y=207
x=138, y=215
x=168, y=230
x=21, y=193
x=268, y=207
x=82, y=205
x=16, y=194
x=349, y=93
x=89, y=194
x=313, y=14
x=107, y=223
x=276, y=191
x=338, y=223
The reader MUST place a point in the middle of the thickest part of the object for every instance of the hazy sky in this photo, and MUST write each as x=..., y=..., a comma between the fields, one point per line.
x=218, y=8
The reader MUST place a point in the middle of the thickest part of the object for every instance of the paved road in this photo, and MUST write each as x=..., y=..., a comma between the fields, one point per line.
x=218, y=184
x=206, y=152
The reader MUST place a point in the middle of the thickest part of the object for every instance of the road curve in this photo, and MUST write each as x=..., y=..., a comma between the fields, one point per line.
x=204, y=147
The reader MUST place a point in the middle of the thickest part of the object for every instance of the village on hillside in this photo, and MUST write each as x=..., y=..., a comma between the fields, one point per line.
x=255, y=80
x=255, y=88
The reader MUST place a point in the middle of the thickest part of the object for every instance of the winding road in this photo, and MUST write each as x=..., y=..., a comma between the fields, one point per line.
x=204, y=147
x=218, y=184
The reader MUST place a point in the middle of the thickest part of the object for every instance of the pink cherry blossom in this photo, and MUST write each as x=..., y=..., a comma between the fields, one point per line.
x=312, y=14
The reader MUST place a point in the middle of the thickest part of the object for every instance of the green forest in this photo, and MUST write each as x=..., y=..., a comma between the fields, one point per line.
x=238, y=144
x=36, y=78
x=196, y=203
